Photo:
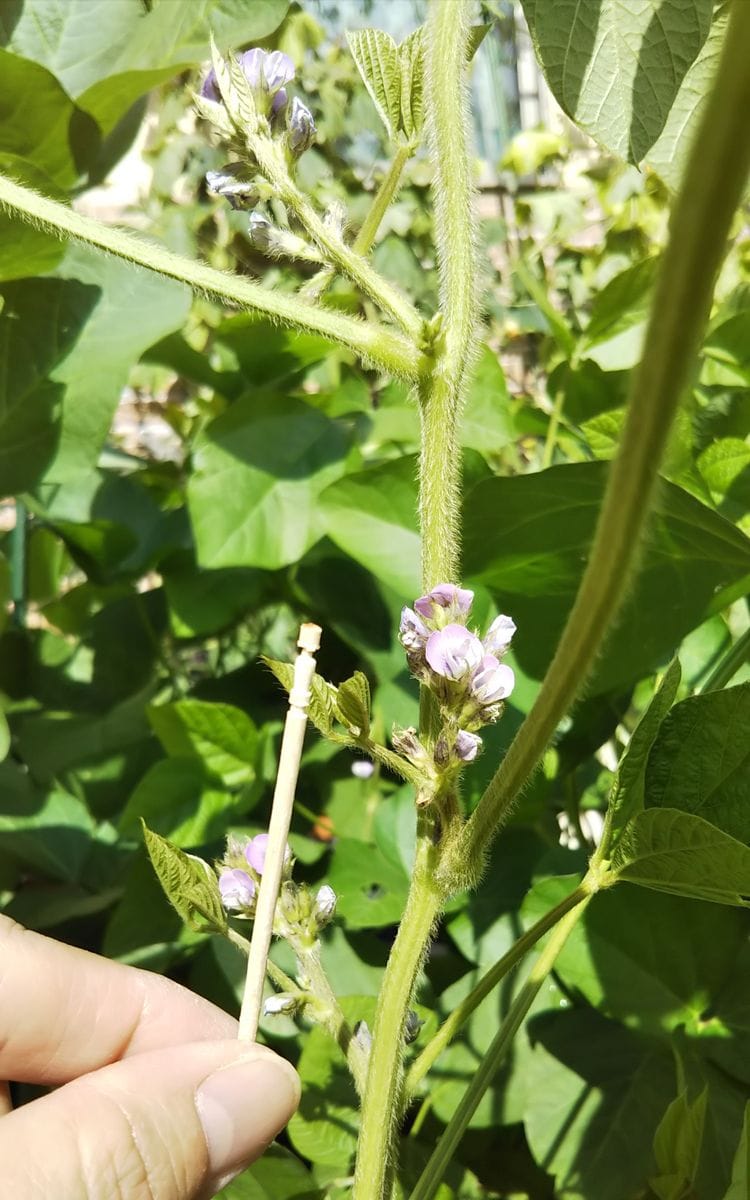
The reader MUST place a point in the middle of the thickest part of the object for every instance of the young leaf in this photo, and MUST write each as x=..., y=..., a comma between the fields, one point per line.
x=411, y=63
x=320, y=708
x=626, y=797
x=353, y=704
x=189, y=884
x=223, y=737
x=377, y=59
x=673, y=851
x=700, y=760
x=235, y=91
x=677, y=1146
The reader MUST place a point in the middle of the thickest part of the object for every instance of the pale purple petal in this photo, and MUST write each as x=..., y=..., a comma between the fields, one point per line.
x=412, y=631
x=492, y=681
x=453, y=651
x=209, y=89
x=499, y=635
x=255, y=852
x=467, y=745
x=253, y=66
x=444, y=595
x=237, y=889
x=278, y=69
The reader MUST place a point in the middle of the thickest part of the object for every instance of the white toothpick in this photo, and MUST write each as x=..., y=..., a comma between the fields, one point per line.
x=278, y=830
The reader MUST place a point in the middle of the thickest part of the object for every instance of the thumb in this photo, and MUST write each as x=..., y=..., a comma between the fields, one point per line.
x=172, y=1124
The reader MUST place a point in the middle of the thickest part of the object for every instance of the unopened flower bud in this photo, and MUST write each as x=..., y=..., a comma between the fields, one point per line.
x=280, y=1002
x=467, y=745
x=412, y=1027
x=413, y=633
x=499, y=635
x=300, y=127
x=362, y=1036
x=492, y=681
x=453, y=652
x=233, y=184
x=237, y=890
x=406, y=742
x=444, y=596
x=261, y=231
x=362, y=768
x=325, y=905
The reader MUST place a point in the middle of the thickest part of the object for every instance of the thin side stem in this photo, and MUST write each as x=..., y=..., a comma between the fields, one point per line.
x=332, y=245
x=550, y=442
x=382, y=1099
x=730, y=663
x=283, y=981
x=329, y=1015
x=315, y=287
x=373, y=344
x=487, y=984
x=712, y=188
x=432, y=1175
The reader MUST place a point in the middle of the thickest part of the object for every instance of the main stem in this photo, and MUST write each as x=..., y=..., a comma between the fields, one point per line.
x=446, y=100
x=711, y=190
x=433, y=1173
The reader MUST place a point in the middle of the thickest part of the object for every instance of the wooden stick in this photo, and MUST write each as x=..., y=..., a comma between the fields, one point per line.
x=278, y=830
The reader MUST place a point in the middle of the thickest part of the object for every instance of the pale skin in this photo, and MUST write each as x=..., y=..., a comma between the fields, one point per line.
x=158, y=1100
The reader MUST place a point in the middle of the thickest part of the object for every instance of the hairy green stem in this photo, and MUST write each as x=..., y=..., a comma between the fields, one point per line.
x=431, y=1177
x=442, y=394
x=332, y=245
x=315, y=287
x=385, y=349
x=331, y=1016
x=712, y=188
x=487, y=984
x=382, y=1105
x=729, y=664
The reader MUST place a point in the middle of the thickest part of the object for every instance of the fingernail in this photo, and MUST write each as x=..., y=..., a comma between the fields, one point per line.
x=242, y=1108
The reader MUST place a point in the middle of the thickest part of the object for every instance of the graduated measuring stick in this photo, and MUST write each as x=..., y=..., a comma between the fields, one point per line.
x=278, y=830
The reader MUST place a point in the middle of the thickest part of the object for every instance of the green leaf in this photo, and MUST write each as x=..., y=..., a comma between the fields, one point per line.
x=258, y=472
x=50, y=833
x=208, y=602
x=353, y=704
x=4, y=736
x=178, y=799
x=619, y=311
x=726, y=353
x=223, y=737
x=487, y=423
x=320, y=708
x=39, y=122
x=677, y=1146
x=371, y=889
x=527, y=537
x=278, y=1175
x=372, y=516
x=189, y=884
x=24, y=250
x=632, y=76
x=627, y=794
x=700, y=762
x=411, y=67
x=725, y=466
x=674, y=851
x=377, y=59
x=739, y=1188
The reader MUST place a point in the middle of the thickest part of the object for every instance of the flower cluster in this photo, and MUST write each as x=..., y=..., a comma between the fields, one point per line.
x=267, y=74
x=463, y=670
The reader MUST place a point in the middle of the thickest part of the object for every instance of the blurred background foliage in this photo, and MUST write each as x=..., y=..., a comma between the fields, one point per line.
x=183, y=485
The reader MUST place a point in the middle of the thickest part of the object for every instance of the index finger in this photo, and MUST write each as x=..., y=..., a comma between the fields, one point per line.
x=65, y=1012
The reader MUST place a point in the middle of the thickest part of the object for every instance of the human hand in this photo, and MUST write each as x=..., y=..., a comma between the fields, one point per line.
x=160, y=1101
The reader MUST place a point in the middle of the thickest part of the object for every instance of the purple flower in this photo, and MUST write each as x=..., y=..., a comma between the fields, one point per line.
x=453, y=651
x=467, y=745
x=237, y=889
x=413, y=632
x=492, y=681
x=266, y=73
x=301, y=127
x=499, y=635
x=256, y=851
x=444, y=595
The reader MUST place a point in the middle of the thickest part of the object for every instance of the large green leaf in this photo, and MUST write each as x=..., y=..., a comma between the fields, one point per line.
x=700, y=762
x=371, y=889
x=372, y=516
x=634, y=75
x=258, y=472
x=528, y=537
x=223, y=737
x=49, y=832
x=39, y=121
x=109, y=52
x=674, y=851
x=179, y=799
